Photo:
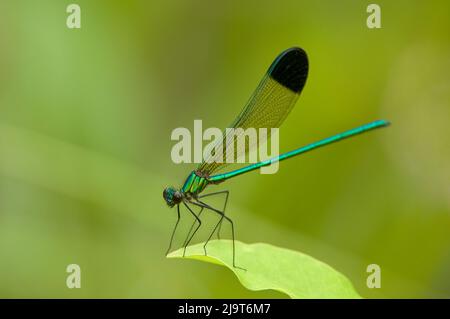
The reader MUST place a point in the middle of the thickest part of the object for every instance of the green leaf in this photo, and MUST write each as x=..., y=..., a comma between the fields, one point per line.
x=270, y=267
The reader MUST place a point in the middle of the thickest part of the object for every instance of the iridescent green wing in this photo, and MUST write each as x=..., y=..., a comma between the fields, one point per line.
x=268, y=107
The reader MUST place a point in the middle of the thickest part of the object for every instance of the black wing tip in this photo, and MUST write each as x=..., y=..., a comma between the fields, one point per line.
x=290, y=69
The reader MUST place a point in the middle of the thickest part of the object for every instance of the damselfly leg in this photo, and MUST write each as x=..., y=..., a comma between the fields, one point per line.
x=202, y=204
x=174, y=229
x=227, y=193
x=200, y=213
x=199, y=224
x=192, y=227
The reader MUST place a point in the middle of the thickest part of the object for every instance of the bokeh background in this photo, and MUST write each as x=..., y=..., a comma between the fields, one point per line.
x=86, y=117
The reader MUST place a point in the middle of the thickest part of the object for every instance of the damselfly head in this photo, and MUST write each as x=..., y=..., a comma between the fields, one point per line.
x=172, y=196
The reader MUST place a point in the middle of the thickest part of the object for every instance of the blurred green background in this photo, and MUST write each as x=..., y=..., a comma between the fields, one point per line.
x=86, y=117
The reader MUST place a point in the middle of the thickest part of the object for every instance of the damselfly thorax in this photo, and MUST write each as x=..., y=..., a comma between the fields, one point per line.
x=195, y=184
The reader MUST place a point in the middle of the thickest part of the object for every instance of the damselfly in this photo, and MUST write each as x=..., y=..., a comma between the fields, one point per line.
x=268, y=107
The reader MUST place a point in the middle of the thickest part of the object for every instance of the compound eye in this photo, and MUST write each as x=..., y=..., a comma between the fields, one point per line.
x=165, y=193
